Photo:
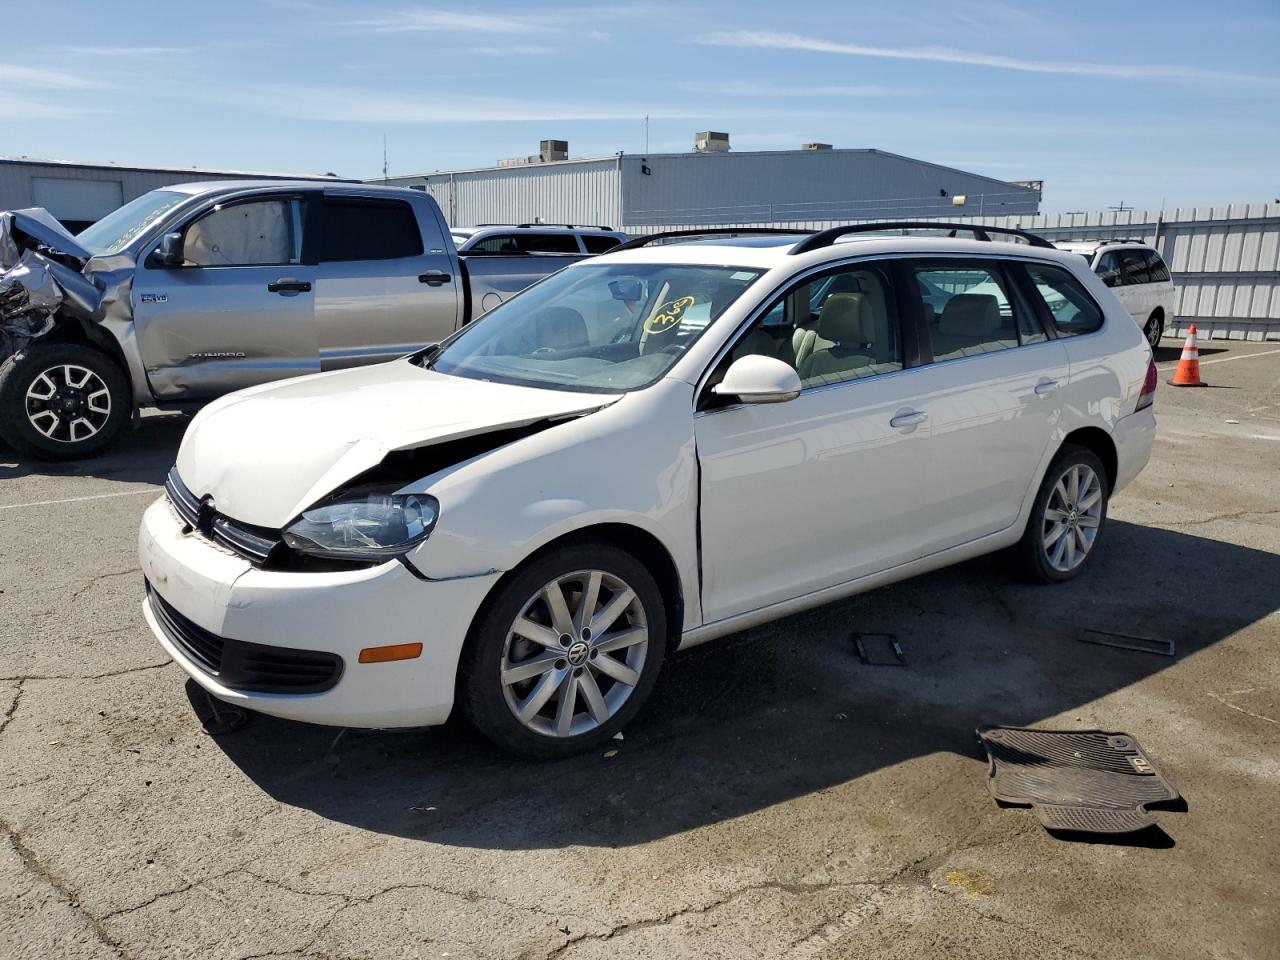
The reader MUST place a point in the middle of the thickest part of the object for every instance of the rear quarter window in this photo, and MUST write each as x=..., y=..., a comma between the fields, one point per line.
x=1159, y=272
x=1071, y=310
x=595, y=243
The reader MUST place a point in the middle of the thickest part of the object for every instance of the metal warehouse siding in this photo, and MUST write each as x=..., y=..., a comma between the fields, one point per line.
x=727, y=188
x=586, y=192
x=17, y=176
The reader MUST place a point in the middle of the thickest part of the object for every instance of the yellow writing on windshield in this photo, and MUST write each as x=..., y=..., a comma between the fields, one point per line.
x=668, y=315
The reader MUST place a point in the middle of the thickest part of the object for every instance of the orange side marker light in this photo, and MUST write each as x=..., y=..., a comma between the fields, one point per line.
x=396, y=651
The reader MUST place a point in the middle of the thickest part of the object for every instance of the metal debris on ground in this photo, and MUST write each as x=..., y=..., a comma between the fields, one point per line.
x=1089, y=781
x=222, y=718
x=879, y=650
x=1127, y=641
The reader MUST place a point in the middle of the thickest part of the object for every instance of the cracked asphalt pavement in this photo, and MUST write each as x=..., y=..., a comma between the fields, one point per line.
x=777, y=799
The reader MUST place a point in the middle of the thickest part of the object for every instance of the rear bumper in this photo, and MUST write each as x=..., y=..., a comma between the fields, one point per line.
x=326, y=613
x=1133, y=436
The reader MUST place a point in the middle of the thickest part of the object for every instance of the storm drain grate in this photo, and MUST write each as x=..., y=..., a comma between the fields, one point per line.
x=1090, y=781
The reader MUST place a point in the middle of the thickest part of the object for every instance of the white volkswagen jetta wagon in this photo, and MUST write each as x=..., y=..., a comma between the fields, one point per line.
x=644, y=451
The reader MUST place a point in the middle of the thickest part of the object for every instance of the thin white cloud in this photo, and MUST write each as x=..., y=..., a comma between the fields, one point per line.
x=450, y=21
x=514, y=50
x=794, y=41
x=121, y=51
x=15, y=107
x=19, y=76
x=748, y=88
x=360, y=105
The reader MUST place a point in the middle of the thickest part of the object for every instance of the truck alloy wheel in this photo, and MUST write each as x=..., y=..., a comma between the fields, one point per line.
x=68, y=403
x=62, y=401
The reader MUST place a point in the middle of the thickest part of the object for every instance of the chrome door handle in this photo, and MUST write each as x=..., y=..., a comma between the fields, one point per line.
x=1046, y=387
x=909, y=419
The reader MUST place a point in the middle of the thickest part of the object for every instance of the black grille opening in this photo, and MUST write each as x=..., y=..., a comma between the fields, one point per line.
x=240, y=665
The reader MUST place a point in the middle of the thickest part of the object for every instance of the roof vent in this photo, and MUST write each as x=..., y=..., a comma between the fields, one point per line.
x=708, y=141
x=553, y=150
x=815, y=146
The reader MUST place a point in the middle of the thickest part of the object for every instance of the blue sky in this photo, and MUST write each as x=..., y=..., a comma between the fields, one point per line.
x=1106, y=102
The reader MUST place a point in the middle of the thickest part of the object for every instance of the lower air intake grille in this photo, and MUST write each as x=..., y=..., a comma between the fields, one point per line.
x=240, y=665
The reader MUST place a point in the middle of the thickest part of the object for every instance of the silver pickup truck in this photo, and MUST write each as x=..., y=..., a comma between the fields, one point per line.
x=192, y=291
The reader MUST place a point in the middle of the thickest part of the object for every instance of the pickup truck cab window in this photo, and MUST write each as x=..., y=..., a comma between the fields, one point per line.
x=256, y=233
x=606, y=328
x=358, y=228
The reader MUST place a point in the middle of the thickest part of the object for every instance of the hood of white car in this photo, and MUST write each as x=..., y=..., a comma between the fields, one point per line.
x=267, y=453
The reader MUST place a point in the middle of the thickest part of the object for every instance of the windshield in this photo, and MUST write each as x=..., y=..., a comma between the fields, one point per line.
x=122, y=226
x=599, y=327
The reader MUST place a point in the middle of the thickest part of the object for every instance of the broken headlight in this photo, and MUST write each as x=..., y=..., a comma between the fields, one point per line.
x=364, y=524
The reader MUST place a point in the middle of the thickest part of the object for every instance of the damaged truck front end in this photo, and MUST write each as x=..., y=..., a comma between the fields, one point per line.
x=64, y=385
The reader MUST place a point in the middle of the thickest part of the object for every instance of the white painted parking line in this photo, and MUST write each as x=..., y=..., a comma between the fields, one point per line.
x=1205, y=363
x=96, y=496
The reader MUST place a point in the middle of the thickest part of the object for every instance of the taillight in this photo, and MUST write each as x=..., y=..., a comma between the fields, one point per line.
x=1148, y=394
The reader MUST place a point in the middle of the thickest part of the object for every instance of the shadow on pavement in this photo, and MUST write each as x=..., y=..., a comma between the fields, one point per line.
x=788, y=709
x=141, y=454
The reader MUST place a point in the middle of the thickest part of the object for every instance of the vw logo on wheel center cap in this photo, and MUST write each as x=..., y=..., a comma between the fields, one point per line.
x=577, y=653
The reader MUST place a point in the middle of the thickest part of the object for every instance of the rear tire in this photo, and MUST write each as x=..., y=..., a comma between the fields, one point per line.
x=1067, y=517
x=536, y=680
x=62, y=401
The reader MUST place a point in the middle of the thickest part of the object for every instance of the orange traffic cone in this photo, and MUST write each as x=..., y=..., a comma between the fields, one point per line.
x=1188, y=372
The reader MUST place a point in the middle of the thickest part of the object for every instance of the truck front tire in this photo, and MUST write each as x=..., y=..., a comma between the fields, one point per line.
x=62, y=401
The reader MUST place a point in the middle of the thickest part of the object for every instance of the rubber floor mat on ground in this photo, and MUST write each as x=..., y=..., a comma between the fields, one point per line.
x=1076, y=780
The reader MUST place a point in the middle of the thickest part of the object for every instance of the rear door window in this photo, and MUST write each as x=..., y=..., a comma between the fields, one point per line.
x=358, y=228
x=1156, y=267
x=1071, y=309
x=1133, y=267
x=968, y=309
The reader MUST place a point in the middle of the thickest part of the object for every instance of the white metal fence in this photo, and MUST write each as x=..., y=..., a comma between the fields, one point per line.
x=1225, y=260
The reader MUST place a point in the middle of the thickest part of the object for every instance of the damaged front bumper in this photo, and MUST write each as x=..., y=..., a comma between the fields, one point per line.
x=42, y=277
x=205, y=604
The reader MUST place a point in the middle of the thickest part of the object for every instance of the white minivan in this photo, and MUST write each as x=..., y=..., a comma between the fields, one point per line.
x=1137, y=275
x=646, y=450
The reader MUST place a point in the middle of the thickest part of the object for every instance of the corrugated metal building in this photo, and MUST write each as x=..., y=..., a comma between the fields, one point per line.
x=720, y=187
x=80, y=193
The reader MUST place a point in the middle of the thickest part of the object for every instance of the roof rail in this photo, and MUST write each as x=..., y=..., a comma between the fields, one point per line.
x=711, y=231
x=569, y=226
x=824, y=238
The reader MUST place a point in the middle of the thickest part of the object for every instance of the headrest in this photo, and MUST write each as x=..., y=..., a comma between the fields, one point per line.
x=846, y=318
x=971, y=314
x=561, y=327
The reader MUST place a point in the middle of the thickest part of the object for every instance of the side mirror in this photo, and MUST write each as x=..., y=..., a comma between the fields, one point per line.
x=758, y=379
x=169, y=252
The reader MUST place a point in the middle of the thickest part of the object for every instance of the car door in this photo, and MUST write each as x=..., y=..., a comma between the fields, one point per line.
x=991, y=394
x=822, y=489
x=1136, y=273
x=238, y=311
x=380, y=291
x=1111, y=270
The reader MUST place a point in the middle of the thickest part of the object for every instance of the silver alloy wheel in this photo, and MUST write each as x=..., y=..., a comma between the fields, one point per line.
x=575, y=653
x=68, y=403
x=1153, y=331
x=1071, y=517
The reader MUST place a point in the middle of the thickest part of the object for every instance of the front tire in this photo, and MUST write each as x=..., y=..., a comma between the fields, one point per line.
x=62, y=401
x=565, y=652
x=1067, y=517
